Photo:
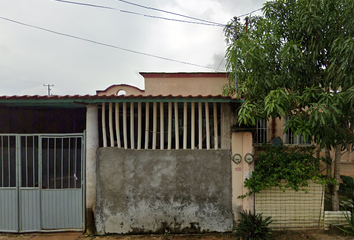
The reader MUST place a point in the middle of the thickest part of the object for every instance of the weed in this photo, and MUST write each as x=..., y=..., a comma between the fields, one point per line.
x=253, y=227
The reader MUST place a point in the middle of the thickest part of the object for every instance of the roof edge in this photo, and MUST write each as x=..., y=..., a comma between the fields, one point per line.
x=184, y=74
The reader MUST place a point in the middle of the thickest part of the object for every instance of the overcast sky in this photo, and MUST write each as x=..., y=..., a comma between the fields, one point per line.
x=30, y=57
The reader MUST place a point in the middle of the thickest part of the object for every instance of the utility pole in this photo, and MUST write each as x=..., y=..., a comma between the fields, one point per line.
x=235, y=39
x=48, y=85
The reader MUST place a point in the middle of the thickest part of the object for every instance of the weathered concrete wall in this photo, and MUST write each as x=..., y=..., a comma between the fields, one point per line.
x=149, y=191
x=91, y=148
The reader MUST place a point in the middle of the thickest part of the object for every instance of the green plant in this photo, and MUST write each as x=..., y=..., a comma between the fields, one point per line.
x=253, y=227
x=167, y=232
x=346, y=190
x=296, y=60
x=350, y=221
x=296, y=165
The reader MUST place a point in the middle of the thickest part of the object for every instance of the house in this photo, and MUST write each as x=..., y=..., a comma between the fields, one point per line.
x=127, y=160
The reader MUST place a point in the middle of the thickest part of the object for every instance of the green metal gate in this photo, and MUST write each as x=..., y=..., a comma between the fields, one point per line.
x=41, y=182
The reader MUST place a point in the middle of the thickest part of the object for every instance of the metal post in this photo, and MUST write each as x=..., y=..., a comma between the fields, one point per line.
x=193, y=125
x=200, y=125
x=176, y=126
x=147, y=125
x=132, y=135
x=185, y=125
x=216, y=141
x=169, y=125
x=207, y=125
x=162, y=130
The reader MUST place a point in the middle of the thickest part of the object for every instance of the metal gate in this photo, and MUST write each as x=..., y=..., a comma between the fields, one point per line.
x=41, y=182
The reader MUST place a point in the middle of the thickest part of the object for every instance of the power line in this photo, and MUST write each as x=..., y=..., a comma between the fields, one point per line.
x=164, y=11
x=104, y=44
x=202, y=21
x=144, y=15
x=219, y=64
x=237, y=17
x=256, y=10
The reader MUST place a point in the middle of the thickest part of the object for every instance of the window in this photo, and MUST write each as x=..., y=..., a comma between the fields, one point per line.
x=261, y=131
x=291, y=138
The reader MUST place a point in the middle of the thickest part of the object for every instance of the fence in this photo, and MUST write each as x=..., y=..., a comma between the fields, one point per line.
x=291, y=209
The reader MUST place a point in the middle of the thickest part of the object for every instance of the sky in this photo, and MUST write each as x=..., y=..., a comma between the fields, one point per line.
x=79, y=48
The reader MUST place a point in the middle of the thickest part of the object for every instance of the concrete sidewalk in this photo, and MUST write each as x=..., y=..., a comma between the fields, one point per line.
x=42, y=236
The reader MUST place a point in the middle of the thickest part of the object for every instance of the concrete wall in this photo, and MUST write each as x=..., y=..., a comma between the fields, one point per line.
x=149, y=191
x=91, y=148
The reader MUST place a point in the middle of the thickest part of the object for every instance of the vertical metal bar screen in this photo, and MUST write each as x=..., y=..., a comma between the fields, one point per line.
x=159, y=125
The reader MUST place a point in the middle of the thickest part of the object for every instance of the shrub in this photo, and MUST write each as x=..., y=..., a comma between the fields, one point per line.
x=346, y=190
x=296, y=165
x=253, y=226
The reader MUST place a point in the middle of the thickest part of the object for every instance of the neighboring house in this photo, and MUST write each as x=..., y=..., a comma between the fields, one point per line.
x=127, y=160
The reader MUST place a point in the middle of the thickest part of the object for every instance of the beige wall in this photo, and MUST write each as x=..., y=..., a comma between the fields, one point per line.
x=185, y=86
x=276, y=128
x=174, y=84
x=241, y=144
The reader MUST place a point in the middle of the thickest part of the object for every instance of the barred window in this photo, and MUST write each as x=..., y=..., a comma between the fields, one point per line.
x=261, y=131
x=291, y=138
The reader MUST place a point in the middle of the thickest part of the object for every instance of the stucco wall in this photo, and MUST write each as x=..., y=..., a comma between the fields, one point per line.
x=185, y=86
x=146, y=191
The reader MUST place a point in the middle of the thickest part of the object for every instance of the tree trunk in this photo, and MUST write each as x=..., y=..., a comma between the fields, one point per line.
x=328, y=166
x=337, y=162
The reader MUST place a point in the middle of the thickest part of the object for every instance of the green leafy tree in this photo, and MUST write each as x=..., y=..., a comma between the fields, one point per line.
x=297, y=60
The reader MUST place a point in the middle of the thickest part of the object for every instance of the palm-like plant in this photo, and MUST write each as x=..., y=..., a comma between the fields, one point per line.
x=253, y=227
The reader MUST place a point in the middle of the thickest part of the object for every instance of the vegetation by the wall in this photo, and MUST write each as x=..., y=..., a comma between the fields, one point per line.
x=253, y=226
x=295, y=165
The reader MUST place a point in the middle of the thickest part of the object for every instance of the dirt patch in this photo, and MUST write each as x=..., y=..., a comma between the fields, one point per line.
x=333, y=234
x=311, y=234
x=277, y=235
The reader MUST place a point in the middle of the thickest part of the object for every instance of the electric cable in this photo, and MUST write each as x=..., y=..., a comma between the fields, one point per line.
x=164, y=11
x=181, y=15
x=141, y=14
x=105, y=44
x=219, y=64
x=202, y=21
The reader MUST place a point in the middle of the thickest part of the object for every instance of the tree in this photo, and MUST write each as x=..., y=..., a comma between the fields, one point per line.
x=297, y=60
